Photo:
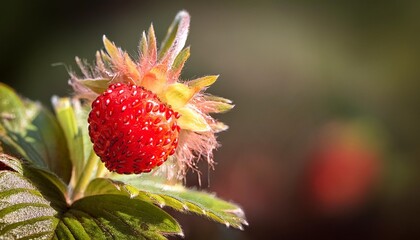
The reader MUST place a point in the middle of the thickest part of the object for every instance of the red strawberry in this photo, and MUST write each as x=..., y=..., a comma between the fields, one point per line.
x=131, y=129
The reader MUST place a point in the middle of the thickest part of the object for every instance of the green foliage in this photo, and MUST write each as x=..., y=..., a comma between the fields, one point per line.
x=37, y=198
x=24, y=211
x=53, y=186
x=118, y=217
x=33, y=204
x=30, y=131
x=175, y=196
x=72, y=118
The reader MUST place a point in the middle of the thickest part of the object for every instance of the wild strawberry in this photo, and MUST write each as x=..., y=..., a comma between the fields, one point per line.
x=131, y=129
x=157, y=71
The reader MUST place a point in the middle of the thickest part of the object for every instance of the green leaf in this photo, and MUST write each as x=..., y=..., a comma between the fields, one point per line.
x=115, y=217
x=11, y=162
x=174, y=196
x=51, y=143
x=72, y=118
x=24, y=212
x=47, y=183
x=31, y=131
x=12, y=109
x=12, y=119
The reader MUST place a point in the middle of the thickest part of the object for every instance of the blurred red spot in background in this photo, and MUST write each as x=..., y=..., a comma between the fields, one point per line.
x=343, y=170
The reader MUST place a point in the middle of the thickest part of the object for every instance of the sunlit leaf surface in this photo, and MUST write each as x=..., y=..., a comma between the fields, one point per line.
x=176, y=197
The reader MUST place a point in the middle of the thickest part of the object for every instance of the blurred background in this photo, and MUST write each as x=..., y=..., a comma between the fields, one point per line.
x=324, y=139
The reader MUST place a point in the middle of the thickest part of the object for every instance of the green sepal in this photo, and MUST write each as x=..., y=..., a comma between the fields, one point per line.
x=96, y=85
x=180, y=60
x=175, y=37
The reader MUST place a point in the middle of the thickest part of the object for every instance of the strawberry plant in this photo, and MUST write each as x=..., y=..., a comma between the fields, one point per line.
x=113, y=156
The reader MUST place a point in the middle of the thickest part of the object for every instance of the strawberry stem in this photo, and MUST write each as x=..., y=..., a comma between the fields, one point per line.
x=85, y=176
x=101, y=170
